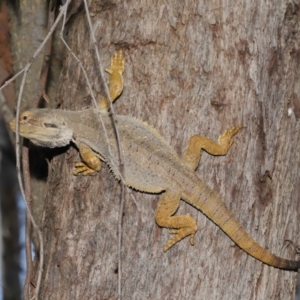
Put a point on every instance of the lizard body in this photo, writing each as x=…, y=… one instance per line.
x=150, y=164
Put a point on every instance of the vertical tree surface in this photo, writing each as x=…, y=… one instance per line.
x=191, y=67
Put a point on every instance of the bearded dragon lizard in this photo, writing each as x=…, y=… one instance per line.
x=150, y=164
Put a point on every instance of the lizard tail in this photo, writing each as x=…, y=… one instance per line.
x=214, y=208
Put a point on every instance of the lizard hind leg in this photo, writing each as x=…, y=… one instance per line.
x=192, y=154
x=181, y=226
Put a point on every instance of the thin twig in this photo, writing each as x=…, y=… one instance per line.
x=121, y=157
x=26, y=176
x=87, y=81
x=92, y=95
x=25, y=71
x=40, y=48
x=10, y=80
x=25, y=160
x=46, y=59
x=18, y=155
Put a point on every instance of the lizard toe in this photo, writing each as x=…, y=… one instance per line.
x=82, y=169
x=180, y=234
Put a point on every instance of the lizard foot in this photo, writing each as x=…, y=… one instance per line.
x=179, y=235
x=115, y=70
x=225, y=139
x=83, y=169
x=117, y=63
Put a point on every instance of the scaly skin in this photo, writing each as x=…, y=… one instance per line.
x=150, y=164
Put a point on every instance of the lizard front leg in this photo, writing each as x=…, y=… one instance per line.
x=181, y=226
x=90, y=163
x=115, y=71
x=192, y=153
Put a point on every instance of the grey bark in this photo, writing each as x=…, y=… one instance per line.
x=191, y=67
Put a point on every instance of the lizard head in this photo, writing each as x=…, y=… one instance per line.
x=44, y=127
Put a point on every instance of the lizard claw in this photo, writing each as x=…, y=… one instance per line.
x=192, y=239
x=83, y=169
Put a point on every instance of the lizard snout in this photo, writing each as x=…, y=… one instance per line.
x=12, y=125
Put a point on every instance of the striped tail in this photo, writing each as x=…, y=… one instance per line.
x=207, y=201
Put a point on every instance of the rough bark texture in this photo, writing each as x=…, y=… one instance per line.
x=191, y=67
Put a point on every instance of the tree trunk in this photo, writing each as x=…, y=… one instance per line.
x=191, y=67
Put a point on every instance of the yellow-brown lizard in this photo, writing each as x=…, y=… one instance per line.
x=150, y=164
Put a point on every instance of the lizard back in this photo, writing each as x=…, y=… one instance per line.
x=147, y=156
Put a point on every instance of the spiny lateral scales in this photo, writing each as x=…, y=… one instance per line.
x=150, y=164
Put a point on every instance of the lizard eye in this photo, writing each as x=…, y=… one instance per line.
x=50, y=125
x=23, y=117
